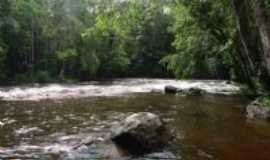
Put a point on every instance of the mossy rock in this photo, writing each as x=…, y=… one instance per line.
x=260, y=108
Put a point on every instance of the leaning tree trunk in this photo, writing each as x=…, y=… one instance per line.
x=262, y=20
x=253, y=42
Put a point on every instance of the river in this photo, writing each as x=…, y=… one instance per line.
x=49, y=121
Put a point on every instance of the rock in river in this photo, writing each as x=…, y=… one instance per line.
x=256, y=110
x=190, y=91
x=171, y=90
x=140, y=133
x=194, y=91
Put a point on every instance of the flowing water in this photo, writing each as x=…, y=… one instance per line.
x=49, y=122
x=107, y=88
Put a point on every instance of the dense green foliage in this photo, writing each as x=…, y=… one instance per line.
x=203, y=39
x=129, y=39
x=82, y=39
x=264, y=100
x=43, y=40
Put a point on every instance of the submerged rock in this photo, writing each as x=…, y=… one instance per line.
x=161, y=155
x=156, y=91
x=191, y=91
x=140, y=133
x=256, y=110
x=171, y=90
x=194, y=91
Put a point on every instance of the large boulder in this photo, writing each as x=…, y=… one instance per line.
x=140, y=133
x=257, y=110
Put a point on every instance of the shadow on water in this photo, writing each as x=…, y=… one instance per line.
x=206, y=127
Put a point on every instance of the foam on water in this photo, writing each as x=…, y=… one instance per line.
x=114, y=88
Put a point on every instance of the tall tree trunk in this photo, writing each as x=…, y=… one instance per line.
x=62, y=72
x=262, y=21
x=253, y=42
x=33, y=44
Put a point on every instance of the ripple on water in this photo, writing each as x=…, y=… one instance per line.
x=205, y=127
x=26, y=130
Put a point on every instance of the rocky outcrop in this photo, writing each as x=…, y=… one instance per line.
x=256, y=110
x=140, y=133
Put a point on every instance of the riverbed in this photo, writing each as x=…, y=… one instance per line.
x=50, y=121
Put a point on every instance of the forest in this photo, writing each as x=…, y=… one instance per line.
x=50, y=40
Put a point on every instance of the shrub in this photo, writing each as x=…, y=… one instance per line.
x=41, y=77
x=264, y=100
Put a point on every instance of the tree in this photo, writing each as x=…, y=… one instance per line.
x=203, y=39
x=5, y=22
x=129, y=38
x=87, y=39
x=253, y=42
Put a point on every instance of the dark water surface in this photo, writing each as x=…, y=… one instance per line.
x=207, y=127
